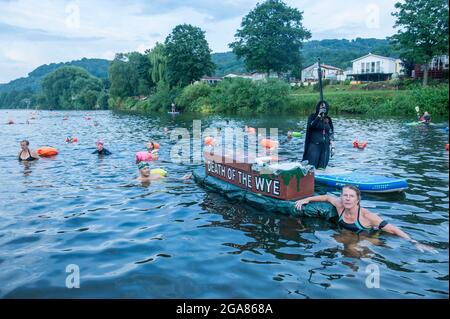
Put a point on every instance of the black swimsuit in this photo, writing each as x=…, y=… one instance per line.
x=28, y=159
x=357, y=227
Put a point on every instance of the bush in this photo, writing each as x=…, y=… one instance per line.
x=382, y=102
x=325, y=82
x=161, y=100
x=190, y=96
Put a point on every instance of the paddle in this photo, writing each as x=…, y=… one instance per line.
x=319, y=70
x=320, y=79
x=418, y=112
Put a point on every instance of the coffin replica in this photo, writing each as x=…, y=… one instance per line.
x=269, y=187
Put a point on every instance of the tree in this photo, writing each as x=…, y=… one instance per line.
x=188, y=55
x=129, y=75
x=158, y=61
x=271, y=37
x=424, y=31
x=70, y=87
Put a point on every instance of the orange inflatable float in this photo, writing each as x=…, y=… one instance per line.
x=361, y=145
x=209, y=141
x=268, y=143
x=155, y=145
x=250, y=130
x=46, y=151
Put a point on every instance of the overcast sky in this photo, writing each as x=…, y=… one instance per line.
x=36, y=32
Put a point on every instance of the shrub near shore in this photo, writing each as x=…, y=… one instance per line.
x=243, y=96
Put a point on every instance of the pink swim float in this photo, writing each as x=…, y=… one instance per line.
x=143, y=157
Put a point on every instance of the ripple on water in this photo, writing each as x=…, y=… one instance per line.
x=172, y=239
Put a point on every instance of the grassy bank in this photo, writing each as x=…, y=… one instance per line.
x=377, y=102
x=240, y=96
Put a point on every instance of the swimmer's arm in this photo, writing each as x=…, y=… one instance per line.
x=35, y=154
x=392, y=229
x=322, y=198
x=376, y=220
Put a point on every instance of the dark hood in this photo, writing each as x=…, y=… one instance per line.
x=326, y=106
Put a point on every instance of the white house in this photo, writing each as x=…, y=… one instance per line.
x=211, y=79
x=373, y=67
x=310, y=73
x=252, y=76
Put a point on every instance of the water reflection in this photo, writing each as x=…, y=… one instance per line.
x=78, y=208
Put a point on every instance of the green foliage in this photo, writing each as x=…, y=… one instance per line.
x=271, y=37
x=70, y=88
x=188, y=55
x=340, y=53
x=102, y=100
x=227, y=63
x=25, y=92
x=423, y=30
x=384, y=102
x=191, y=95
x=129, y=75
x=158, y=61
x=316, y=86
x=236, y=96
x=162, y=99
x=334, y=52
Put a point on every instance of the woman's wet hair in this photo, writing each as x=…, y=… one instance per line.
x=25, y=141
x=354, y=188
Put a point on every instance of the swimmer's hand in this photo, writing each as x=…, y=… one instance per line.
x=187, y=177
x=425, y=248
x=300, y=203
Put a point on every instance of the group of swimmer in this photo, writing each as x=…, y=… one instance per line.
x=145, y=173
x=319, y=146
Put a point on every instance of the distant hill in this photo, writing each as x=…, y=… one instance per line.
x=340, y=53
x=97, y=67
x=227, y=63
x=334, y=52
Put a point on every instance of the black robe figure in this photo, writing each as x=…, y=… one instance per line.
x=319, y=134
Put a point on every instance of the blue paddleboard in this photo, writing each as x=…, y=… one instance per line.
x=365, y=182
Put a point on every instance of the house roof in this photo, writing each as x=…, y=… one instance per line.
x=212, y=78
x=323, y=66
x=375, y=55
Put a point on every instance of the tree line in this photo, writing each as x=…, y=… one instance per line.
x=270, y=39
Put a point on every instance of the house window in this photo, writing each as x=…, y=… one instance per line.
x=367, y=67
x=362, y=67
x=378, y=67
x=373, y=67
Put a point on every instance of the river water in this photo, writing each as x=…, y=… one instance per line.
x=173, y=239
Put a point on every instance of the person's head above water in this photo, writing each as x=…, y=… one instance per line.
x=24, y=145
x=150, y=146
x=99, y=145
x=144, y=169
x=350, y=196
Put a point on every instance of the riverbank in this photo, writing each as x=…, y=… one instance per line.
x=241, y=96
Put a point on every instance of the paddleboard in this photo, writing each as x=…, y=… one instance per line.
x=173, y=112
x=365, y=182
